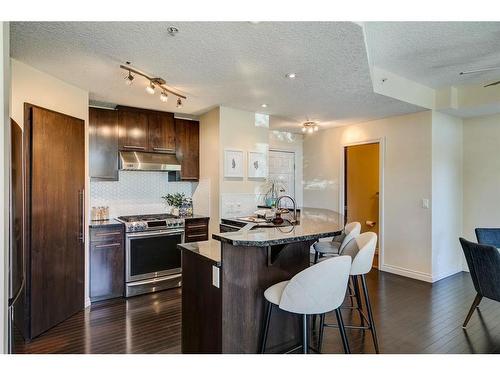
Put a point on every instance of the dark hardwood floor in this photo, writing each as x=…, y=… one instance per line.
x=411, y=317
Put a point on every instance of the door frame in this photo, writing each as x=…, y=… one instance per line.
x=294, y=168
x=381, y=143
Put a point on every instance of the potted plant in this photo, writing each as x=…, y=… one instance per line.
x=175, y=202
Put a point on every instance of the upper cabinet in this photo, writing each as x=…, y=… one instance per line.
x=103, y=130
x=161, y=132
x=133, y=129
x=187, y=141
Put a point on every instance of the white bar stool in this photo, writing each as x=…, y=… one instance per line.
x=362, y=251
x=316, y=290
x=337, y=245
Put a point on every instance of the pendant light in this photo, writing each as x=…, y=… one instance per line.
x=150, y=89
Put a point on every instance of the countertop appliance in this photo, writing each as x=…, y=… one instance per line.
x=152, y=260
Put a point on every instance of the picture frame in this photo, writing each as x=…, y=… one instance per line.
x=256, y=165
x=233, y=163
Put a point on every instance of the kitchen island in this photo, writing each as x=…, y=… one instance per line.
x=223, y=282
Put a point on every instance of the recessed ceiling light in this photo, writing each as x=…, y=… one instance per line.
x=264, y=105
x=172, y=30
x=291, y=75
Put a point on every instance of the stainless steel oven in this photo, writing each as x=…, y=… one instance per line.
x=152, y=260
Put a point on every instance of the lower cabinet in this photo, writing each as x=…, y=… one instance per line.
x=196, y=229
x=107, y=263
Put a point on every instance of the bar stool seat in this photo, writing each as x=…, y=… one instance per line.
x=316, y=290
x=273, y=293
x=337, y=245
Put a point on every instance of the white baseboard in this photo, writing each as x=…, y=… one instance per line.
x=446, y=274
x=407, y=273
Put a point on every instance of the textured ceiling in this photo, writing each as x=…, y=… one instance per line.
x=235, y=64
x=434, y=53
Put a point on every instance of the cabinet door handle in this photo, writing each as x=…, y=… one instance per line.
x=189, y=226
x=197, y=235
x=116, y=244
x=108, y=234
x=81, y=196
x=135, y=147
x=162, y=149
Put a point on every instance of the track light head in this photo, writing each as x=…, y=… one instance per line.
x=164, y=96
x=129, y=78
x=179, y=103
x=150, y=89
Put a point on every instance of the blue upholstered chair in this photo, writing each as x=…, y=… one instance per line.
x=484, y=266
x=488, y=236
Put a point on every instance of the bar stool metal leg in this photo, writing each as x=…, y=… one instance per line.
x=316, y=257
x=370, y=315
x=305, y=335
x=269, y=308
x=343, y=335
x=321, y=332
x=357, y=294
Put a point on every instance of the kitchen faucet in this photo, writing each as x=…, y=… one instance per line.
x=294, y=206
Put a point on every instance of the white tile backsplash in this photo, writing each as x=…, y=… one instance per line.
x=136, y=192
x=239, y=204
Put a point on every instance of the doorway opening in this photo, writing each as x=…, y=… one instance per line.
x=362, y=188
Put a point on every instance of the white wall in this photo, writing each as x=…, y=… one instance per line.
x=237, y=130
x=4, y=183
x=29, y=85
x=447, y=195
x=206, y=195
x=481, y=171
x=407, y=179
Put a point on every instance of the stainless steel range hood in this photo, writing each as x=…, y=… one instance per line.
x=146, y=161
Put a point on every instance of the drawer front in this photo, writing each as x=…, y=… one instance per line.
x=106, y=234
x=196, y=237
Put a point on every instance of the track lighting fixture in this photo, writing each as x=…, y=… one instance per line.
x=129, y=78
x=309, y=127
x=153, y=83
x=150, y=89
x=164, y=96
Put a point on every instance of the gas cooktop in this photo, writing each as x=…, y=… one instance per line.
x=141, y=223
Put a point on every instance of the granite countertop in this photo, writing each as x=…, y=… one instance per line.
x=314, y=223
x=209, y=249
x=104, y=223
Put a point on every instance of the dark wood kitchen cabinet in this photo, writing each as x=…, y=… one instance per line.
x=107, y=264
x=133, y=129
x=187, y=141
x=103, y=130
x=196, y=229
x=161, y=132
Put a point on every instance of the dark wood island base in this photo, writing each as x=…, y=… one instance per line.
x=228, y=318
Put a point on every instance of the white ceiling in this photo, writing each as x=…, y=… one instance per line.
x=235, y=64
x=434, y=53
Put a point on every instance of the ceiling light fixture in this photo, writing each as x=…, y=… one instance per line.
x=164, y=96
x=309, y=127
x=291, y=75
x=150, y=89
x=264, y=105
x=153, y=83
x=129, y=78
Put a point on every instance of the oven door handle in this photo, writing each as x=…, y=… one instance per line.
x=154, y=234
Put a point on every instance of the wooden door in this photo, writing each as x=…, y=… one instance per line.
x=133, y=130
x=56, y=211
x=187, y=135
x=362, y=185
x=103, y=129
x=161, y=132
